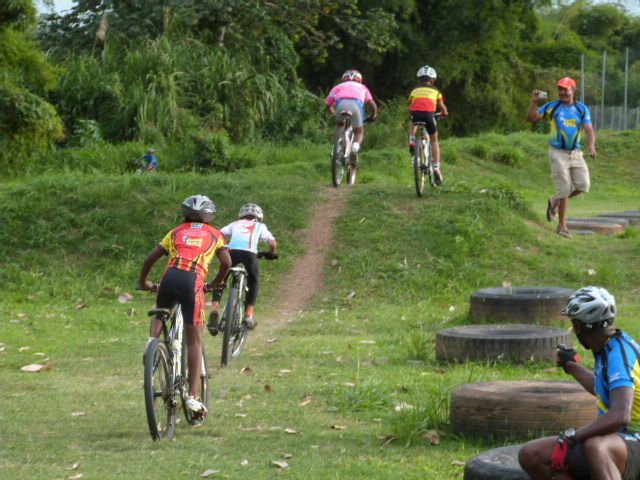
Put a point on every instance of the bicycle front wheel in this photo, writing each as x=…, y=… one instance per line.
x=418, y=169
x=337, y=161
x=159, y=391
x=235, y=332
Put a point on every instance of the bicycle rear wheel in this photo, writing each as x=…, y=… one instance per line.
x=352, y=170
x=159, y=391
x=337, y=161
x=205, y=385
x=418, y=169
x=429, y=163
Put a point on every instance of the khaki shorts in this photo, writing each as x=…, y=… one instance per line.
x=569, y=171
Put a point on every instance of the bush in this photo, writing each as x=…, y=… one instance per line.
x=213, y=151
x=511, y=156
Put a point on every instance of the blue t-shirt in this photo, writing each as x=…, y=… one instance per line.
x=566, y=122
x=618, y=366
x=150, y=160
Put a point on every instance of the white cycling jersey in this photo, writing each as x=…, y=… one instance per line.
x=245, y=234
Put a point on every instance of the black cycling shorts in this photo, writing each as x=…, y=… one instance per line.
x=181, y=286
x=631, y=472
x=427, y=118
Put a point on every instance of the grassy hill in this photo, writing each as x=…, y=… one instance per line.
x=401, y=268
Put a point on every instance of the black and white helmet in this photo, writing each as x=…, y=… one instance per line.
x=591, y=305
x=426, y=71
x=199, y=208
x=251, y=209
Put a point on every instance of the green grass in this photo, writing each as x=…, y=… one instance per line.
x=355, y=376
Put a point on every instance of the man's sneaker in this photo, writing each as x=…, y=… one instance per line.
x=412, y=147
x=438, y=175
x=355, y=147
x=193, y=404
x=249, y=322
x=213, y=326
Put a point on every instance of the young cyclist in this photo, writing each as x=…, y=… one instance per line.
x=245, y=234
x=150, y=161
x=190, y=247
x=351, y=95
x=424, y=100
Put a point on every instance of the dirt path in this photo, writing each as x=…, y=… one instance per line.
x=305, y=279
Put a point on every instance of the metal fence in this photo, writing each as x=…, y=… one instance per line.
x=615, y=118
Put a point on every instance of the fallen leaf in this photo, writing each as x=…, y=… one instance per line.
x=287, y=455
x=458, y=462
x=280, y=464
x=244, y=462
x=130, y=312
x=432, y=436
x=334, y=262
x=403, y=406
x=125, y=298
x=338, y=427
x=284, y=371
x=23, y=349
x=272, y=340
x=1, y=347
x=75, y=466
x=290, y=431
x=351, y=295
x=452, y=308
x=75, y=477
x=208, y=473
x=506, y=284
x=339, y=359
x=591, y=272
x=241, y=415
x=246, y=370
x=80, y=305
x=306, y=401
x=48, y=366
x=78, y=414
x=268, y=389
x=39, y=354
x=32, y=368
x=349, y=384
x=21, y=315
x=387, y=439
x=367, y=342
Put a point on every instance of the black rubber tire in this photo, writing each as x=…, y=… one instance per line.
x=229, y=314
x=603, y=228
x=352, y=171
x=632, y=216
x=519, y=304
x=497, y=464
x=205, y=385
x=418, y=171
x=517, y=343
x=159, y=392
x=429, y=163
x=516, y=408
x=337, y=167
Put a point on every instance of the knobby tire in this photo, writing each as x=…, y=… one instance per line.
x=418, y=168
x=235, y=333
x=159, y=392
x=205, y=384
x=337, y=159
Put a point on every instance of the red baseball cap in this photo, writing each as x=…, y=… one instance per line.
x=566, y=82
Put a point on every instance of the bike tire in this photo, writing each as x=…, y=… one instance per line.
x=240, y=332
x=159, y=392
x=229, y=318
x=337, y=159
x=418, y=170
x=205, y=385
x=429, y=164
x=352, y=171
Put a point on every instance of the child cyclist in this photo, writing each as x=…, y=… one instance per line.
x=190, y=247
x=245, y=233
x=424, y=100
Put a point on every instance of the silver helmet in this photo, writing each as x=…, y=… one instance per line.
x=591, y=305
x=426, y=71
x=251, y=209
x=198, y=208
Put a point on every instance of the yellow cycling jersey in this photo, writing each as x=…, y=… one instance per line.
x=425, y=99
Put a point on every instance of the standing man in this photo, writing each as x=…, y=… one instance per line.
x=609, y=446
x=568, y=169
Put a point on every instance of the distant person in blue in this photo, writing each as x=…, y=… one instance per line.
x=609, y=446
x=569, y=170
x=150, y=161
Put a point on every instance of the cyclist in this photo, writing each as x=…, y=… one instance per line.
x=245, y=234
x=150, y=161
x=190, y=246
x=608, y=447
x=425, y=98
x=351, y=95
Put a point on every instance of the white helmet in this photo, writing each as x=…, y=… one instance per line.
x=198, y=208
x=251, y=209
x=353, y=75
x=427, y=71
x=591, y=305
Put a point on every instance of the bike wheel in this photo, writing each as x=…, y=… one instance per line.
x=159, y=392
x=235, y=332
x=205, y=385
x=429, y=163
x=418, y=169
x=337, y=161
x=352, y=170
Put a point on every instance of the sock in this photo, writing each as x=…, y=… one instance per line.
x=355, y=148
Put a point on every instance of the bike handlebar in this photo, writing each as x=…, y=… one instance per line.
x=268, y=255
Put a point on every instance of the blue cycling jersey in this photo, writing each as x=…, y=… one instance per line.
x=566, y=122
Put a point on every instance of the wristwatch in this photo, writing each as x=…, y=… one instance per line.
x=570, y=435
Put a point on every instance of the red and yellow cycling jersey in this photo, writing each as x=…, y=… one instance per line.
x=425, y=99
x=191, y=246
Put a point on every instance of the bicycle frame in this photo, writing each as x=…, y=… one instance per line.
x=341, y=155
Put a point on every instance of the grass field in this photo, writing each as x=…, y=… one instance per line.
x=322, y=394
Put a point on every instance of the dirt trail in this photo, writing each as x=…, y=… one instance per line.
x=305, y=279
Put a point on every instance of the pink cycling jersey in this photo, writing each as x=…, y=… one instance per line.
x=350, y=89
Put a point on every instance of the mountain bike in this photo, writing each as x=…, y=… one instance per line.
x=422, y=159
x=166, y=376
x=234, y=332
x=341, y=157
